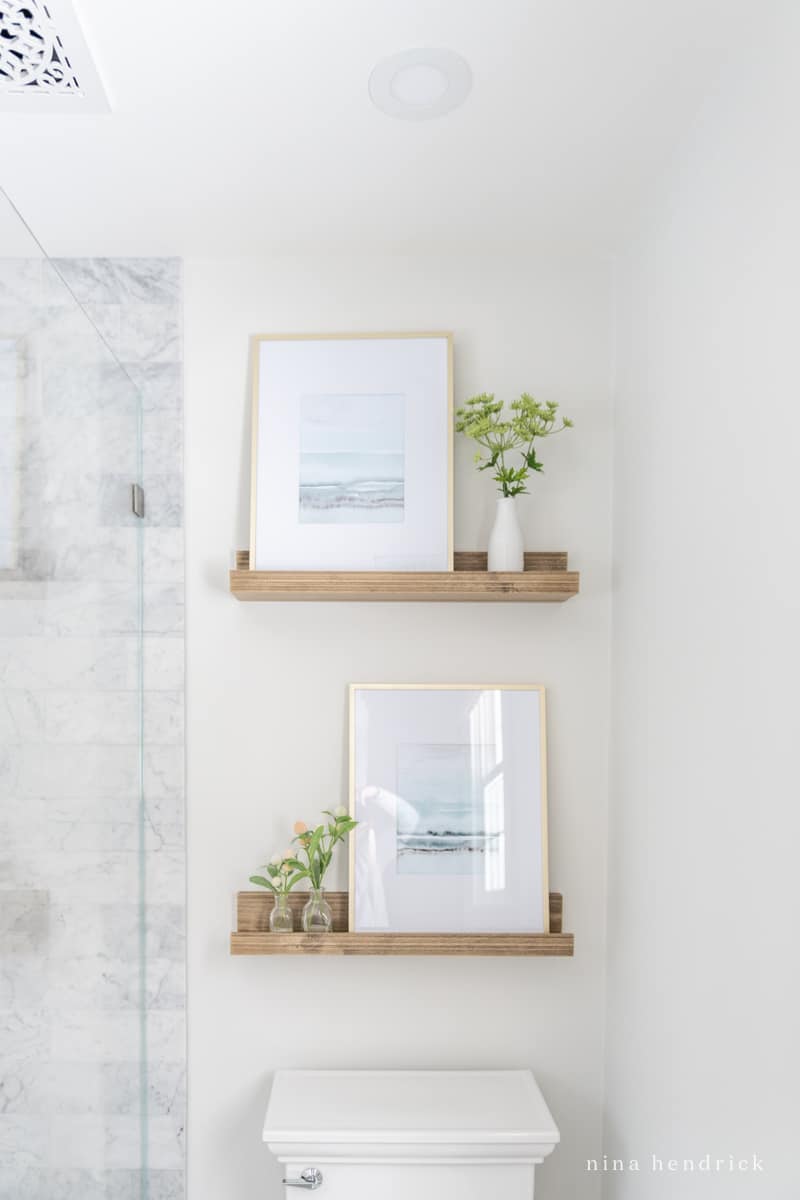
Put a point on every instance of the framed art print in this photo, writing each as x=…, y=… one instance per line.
x=352, y=452
x=448, y=785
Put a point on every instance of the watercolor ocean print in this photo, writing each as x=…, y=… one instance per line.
x=440, y=810
x=352, y=459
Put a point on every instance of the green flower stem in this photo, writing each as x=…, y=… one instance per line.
x=318, y=845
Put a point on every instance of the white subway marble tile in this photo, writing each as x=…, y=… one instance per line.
x=166, y=1141
x=47, y=1088
x=163, y=499
x=24, y=921
x=160, y=385
x=69, y=662
x=74, y=825
x=23, y=983
x=104, y=442
x=68, y=337
x=96, y=981
x=100, y=876
x=115, y=929
x=149, y=333
x=163, y=833
x=11, y=453
x=163, y=606
x=10, y=767
x=24, y=1036
x=166, y=1185
x=163, y=664
x=103, y=718
x=93, y=554
x=92, y=608
x=82, y=281
x=83, y=770
x=43, y=829
x=19, y=322
x=28, y=819
x=28, y=1182
x=166, y=983
x=22, y=717
x=121, y=280
x=164, y=718
x=98, y=1037
x=24, y=1144
x=166, y=876
x=165, y=932
x=21, y=279
x=162, y=442
x=163, y=772
x=22, y=608
x=81, y=391
x=85, y=1142
x=163, y=555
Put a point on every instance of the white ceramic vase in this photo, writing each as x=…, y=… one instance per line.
x=506, y=548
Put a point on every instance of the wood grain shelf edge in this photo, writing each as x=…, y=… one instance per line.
x=252, y=936
x=545, y=578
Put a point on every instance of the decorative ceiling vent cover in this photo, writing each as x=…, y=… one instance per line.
x=32, y=54
x=45, y=63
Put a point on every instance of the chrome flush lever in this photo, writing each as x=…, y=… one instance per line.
x=311, y=1178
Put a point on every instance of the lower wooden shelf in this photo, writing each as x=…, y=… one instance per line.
x=253, y=936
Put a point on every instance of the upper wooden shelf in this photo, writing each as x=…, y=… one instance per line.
x=253, y=935
x=545, y=578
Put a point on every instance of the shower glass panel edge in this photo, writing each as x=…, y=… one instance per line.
x=73, y=982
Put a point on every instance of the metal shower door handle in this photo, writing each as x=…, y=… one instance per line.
x=311, y=1178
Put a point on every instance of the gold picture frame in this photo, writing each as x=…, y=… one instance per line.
x=539, y=789
x=258, y=340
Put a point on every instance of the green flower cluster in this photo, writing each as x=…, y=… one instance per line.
x=482, y=419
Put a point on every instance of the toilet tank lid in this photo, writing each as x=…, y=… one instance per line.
x=502, y=1107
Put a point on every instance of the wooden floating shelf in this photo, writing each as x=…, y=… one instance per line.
x=545, y=578
x=253, y=936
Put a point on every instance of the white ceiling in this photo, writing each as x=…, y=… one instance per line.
x=243, y=127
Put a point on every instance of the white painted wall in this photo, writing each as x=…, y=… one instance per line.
x=703, y=1050
x=266, y=706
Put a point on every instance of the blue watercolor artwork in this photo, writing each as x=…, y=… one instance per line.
x=352, y=459
x=441, y=810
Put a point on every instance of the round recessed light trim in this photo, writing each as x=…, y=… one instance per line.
x=418, y=85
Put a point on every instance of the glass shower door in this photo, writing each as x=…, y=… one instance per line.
x=73, y=981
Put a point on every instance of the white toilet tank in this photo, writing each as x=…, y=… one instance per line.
x=408, y=1135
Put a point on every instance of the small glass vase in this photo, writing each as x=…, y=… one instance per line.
x=281, y=919
x=317, y=916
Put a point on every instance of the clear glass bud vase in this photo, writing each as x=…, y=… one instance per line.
x=281, y=919
x=317, y=915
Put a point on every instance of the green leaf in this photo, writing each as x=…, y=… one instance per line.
x=313, y=846
x=262, y=882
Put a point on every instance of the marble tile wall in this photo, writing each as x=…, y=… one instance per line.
x=92, y=1091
